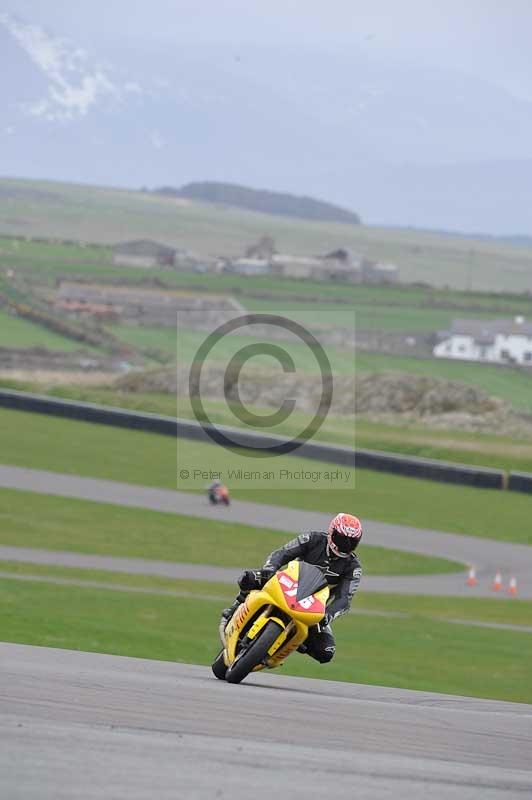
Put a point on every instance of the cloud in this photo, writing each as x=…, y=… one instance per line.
x=157, y=140
x=133, y=88
x=74, y=84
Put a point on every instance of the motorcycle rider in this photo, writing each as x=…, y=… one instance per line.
x=333, y=550
x=215, y=490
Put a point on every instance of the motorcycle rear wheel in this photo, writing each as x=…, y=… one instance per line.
x=255, y=655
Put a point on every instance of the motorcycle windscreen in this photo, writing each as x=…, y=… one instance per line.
x=311, y=579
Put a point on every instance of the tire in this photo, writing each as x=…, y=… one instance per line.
x=255, y=655
x=218, y=667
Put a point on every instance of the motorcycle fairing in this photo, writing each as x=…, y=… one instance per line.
x=278, y=600
x=311, y=579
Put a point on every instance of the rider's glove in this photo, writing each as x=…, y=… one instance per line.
x=267, y=573
x=250, y=579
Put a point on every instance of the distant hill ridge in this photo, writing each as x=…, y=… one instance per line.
x=262, y=200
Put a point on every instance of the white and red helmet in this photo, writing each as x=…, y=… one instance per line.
x=344, y=534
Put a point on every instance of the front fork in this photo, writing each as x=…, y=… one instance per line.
x=221, y=630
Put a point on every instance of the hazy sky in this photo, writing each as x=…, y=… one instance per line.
x=414, y=112
x=486, y=38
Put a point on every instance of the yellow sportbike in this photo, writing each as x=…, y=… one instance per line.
x=272, y=622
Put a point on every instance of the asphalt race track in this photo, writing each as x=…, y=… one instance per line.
x=487, y=555
x=84, y=725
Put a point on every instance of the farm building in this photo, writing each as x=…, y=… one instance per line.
x=344, y=265
x=289, y=266
x=340, y=266
x=497, y=341
x=377, y=272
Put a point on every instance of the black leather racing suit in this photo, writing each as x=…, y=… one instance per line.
x=343, y=576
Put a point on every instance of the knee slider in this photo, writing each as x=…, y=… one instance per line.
x=326, y=655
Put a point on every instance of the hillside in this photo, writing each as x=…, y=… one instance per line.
x=263, y=201
x=107, y=215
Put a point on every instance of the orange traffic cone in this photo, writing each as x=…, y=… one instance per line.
x=512, y=586
x=472, y=577
x=497, y=582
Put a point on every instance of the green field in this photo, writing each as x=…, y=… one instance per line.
x=406, y=308
x=28, y=251
x=184, y=344
x=398, y=307
x=47, y=209
x=403, y=652
x=386, y=308
x=363, y=314
x=149, y=459
x=19, y=333
x=511, y=384
x=28, y=519
x=414, y=298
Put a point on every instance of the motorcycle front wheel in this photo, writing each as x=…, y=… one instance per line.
x=218, y=666
x=255, y=654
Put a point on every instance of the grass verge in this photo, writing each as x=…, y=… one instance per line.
x=479, y=449
x=80, y=448
x=412, y=653
x=57, y=523
x=492, y=610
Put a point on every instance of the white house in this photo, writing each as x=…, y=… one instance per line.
x=497, y=341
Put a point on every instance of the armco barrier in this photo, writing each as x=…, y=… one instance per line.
x=431, y=469
x=88, y=412
x=410, y=466
x=520, y=482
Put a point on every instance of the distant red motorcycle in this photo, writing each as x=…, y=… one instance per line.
x=218, y=493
